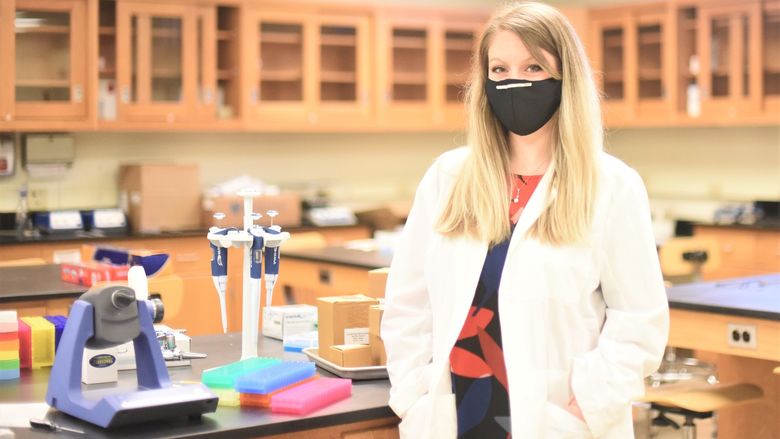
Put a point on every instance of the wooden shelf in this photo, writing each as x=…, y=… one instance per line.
x=459, y=45
x=107, y=30
x=409, y=43
x=335, y=77
x=159, y=73
x=721, y=71
x=651, y=38
x=224, y=74
x=281, y=38
x=688, y=24
x=289, y=75
x=174, y=34
x=45, y=29
x=225, y=35
x=650, y=74
x=409, y=78
x=458, y=79
x=772, y=70
x=613, y=76
x=55, y=83
x=108, y=71
x=338, y=40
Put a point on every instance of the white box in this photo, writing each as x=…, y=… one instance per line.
x=283, y=321
x=99, y=366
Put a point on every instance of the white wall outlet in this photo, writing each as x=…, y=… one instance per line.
x=742, y=336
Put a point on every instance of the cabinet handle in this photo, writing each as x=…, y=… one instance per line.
x=313, y=118
x=78, y=93
x=8, y=117
x=208, y=95
x=728, y=248
x=254, y=95
x=170, y=117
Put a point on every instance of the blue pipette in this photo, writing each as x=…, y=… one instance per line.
x=219, y=261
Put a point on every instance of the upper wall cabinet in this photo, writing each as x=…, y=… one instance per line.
x=46, y=62
x=423, y=64
x=705, y=62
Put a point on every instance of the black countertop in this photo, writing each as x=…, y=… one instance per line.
x=368, y=401
x=9, y=237
x=342, y=256
x=772, y=224
x=755, y=296
x=36, y=282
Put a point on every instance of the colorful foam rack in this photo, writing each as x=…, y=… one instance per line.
x=37, y=335
x=9, y=346
x=311, y=396
x=221, y=380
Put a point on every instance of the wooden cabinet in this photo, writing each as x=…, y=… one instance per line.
x=743, y=252
x=422, y=67
x=47, y=68
x=702, y=62
x=631, y=49
x=157, y=70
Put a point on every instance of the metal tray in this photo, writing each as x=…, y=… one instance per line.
x=354, y=373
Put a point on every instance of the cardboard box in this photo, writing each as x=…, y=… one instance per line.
x=377, y=279
x=378, y=356
x=283, y=321
x=342, y=320
x=158, y=197
x=288, y=204
x=350, y=355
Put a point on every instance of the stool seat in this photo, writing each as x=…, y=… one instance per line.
x=707, y=398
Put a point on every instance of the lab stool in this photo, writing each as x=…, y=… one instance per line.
x=699, y=403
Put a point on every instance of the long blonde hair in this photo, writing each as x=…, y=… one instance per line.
x=479, y=203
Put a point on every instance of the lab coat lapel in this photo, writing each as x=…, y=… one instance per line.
x=540, y=199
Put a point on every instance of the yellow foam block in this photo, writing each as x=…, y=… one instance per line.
x=42, y=341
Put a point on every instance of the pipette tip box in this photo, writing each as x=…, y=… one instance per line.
x=224, y=377
x=264, y=401
x=274, y=377
x=299, y=342
x=311, y=396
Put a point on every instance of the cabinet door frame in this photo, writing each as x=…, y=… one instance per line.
x=333, y=113
x=8, y=52
x=734, y=106
x=77, y=107
x=144, y=109
x=205, y=109
x=454, y=114
x=404, y=114
x=615, y=112
x=661, y=109
x=276, y=115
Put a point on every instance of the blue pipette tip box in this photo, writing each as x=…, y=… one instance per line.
x=275, y=377
x=224, y=377
x=299, y=342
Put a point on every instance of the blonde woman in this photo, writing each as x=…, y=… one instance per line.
x=525, y=298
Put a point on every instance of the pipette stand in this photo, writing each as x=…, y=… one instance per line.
x=243, y=239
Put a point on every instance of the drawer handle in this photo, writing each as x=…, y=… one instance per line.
x=324, y=276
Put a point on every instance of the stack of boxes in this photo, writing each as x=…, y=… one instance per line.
x=9, y=346
x=343, y=329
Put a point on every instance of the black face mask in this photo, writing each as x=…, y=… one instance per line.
x=524, y=106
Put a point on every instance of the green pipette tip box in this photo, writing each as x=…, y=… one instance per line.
x=224, y=377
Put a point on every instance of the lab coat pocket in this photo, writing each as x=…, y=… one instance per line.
x=564, y=425
x=430, y=417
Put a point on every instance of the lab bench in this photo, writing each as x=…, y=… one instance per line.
x=364, y=414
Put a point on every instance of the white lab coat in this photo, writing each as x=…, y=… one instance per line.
x=589, y=319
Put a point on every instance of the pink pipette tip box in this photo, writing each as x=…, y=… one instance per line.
x=311, y=396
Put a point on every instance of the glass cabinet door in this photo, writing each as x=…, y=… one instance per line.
x=279, y=91
x=459, y=46
x=6, y=51
x=409, y=65
x=50, y=83
x=343, y=71
x=155, y=42
x=730, y=73
x=771, y=61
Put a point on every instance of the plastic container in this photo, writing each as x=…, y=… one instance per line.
x=10, y=345
x=8, y=322
x=224, y=377
x=227, y=397
x=59, y=326
x=25, y=345
x=299, y=342
x=264, y=401
x=275, y=377
x=9, y=364
x=311, y=396
x=42, y=352
x=11, y=374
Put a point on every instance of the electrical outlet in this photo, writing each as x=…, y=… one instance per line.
x=742, y=336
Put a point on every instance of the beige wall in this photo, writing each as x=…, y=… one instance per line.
x=706, y=164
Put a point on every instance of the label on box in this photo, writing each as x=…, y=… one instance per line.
x=356, y=336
